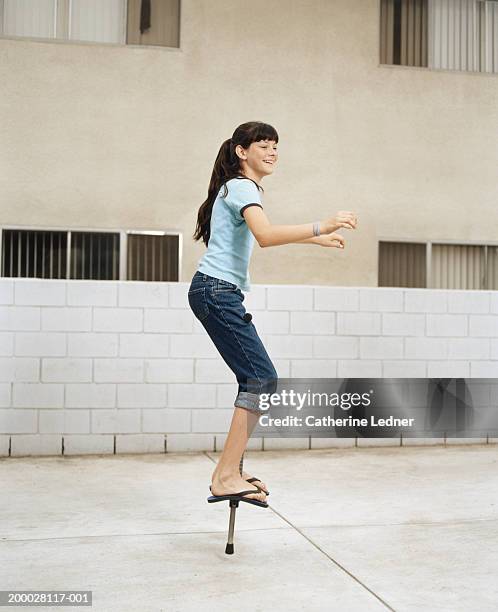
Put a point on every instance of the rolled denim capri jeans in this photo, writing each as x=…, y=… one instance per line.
x=217, y=304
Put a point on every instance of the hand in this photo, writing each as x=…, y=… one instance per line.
x=330, y=240
x=344, y=218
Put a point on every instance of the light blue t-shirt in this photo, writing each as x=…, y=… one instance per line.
x=231, y=241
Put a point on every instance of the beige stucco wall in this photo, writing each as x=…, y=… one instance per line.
x=109, y=136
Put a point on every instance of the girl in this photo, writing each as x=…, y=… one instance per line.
x=228, y=222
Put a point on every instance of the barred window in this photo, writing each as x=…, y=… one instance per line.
x=404, y=32
x=133, y=22
x=56, y=254
x=153, y=257
x=402, y=264
x=438, y=265
x=440, y=34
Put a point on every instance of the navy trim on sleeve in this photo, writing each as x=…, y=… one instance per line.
x=247, y=206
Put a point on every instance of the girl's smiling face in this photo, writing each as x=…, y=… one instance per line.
x=259, y=159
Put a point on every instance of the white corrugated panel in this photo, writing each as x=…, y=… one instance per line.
x=34, y=18
x=453, y=34
x=98, y=20
x=492, y=280
x=463, y=35
x=458, y=266
x=402, y=264
x=491, y=37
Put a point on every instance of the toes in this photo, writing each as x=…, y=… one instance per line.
x=260, y=496
x=262, y=486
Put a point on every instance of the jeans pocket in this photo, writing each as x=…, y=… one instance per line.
x=198, y=303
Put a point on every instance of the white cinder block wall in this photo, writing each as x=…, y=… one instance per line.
x=124, y=367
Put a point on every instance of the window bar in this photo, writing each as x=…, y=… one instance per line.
x=62, y=266
x=76, y=262
x=21, y=248
x=104, y=272
x=168, y=258
x=146, y=244
x=123, y=261
x=11, y=255
x=484, y=283
x=51, y=255
x=144, y=259
x=397, y=33
x=35, y=263
x=113, y=257
x=137, y=248
x=428, y=265
x=154, y=241
x=83, y=257
x=90, y=271
x=149, y=246
x=117, y=249
x=140, y=250
x=131, y=264
x=68, y=254
x=25, y=240
x=31, y=255
x=447, y=34
x=152, y=249
x=25, y=243
x=44, y=239
x=99, y=270
x=391, y=260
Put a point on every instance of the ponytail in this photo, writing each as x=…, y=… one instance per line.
x=226, y=167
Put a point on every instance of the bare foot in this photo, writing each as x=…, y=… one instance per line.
x=235, y=484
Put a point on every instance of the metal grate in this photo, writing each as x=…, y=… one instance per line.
x=402, y=264
x=455, y=34
x=94, y=255
x=34, y=253
x=492, y=268
x=458, y=266
x=153, y=257
x=438, y=266
x=403, y=26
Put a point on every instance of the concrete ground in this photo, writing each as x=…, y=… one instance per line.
x=367, y=529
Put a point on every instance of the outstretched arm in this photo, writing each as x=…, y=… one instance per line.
x=274, y=235
x=306, y=241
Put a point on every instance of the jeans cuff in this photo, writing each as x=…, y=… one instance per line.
x=249, y=401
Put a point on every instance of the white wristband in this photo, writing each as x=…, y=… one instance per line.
x=316, y=228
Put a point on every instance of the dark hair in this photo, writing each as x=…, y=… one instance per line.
x=226, y=167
